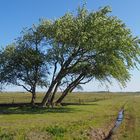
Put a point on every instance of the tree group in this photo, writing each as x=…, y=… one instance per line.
x=68, y=52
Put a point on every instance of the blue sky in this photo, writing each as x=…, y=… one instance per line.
x=17, y=14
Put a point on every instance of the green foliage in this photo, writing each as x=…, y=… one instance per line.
x=71, y=50
x=96, y=43
x=23, y=63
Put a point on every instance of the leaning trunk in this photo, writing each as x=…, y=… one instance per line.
x=53, y=94
x=45, y=99
x=64, y=94
x=70, y=88
x=62, y=73
x=60, y=99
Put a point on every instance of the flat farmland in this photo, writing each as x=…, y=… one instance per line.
x=81, y=115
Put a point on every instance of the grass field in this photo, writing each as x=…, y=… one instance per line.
x=75, y=121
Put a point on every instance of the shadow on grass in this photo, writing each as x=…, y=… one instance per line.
x=33, y=110
x=72, y=103
x=26, y=108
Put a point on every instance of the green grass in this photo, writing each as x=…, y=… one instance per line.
x=72, y=122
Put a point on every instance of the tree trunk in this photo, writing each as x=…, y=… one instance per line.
x=64, y=70
x=53, y=94
x=33, y=96
x=60, y=99
x=64, y=94
x=70, y=88
x=45, y=99
x=33, y=99
x=61, y=74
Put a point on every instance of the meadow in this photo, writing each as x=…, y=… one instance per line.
x=81, y=115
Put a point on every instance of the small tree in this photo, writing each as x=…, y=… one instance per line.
x=24, y=63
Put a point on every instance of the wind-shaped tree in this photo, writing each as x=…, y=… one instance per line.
x=88, y=45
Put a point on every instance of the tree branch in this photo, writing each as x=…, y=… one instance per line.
x=55, y=67
x=86, y=81
x=29, y=90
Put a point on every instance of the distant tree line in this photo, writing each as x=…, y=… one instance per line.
x=68, y=52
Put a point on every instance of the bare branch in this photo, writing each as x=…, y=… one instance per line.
x=29, y=90
x=86, y=81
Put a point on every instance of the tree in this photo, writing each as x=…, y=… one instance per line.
x=24, y=63
x=96, y=40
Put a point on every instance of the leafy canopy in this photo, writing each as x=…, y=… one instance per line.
x=93, y=43
x=24, y=62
